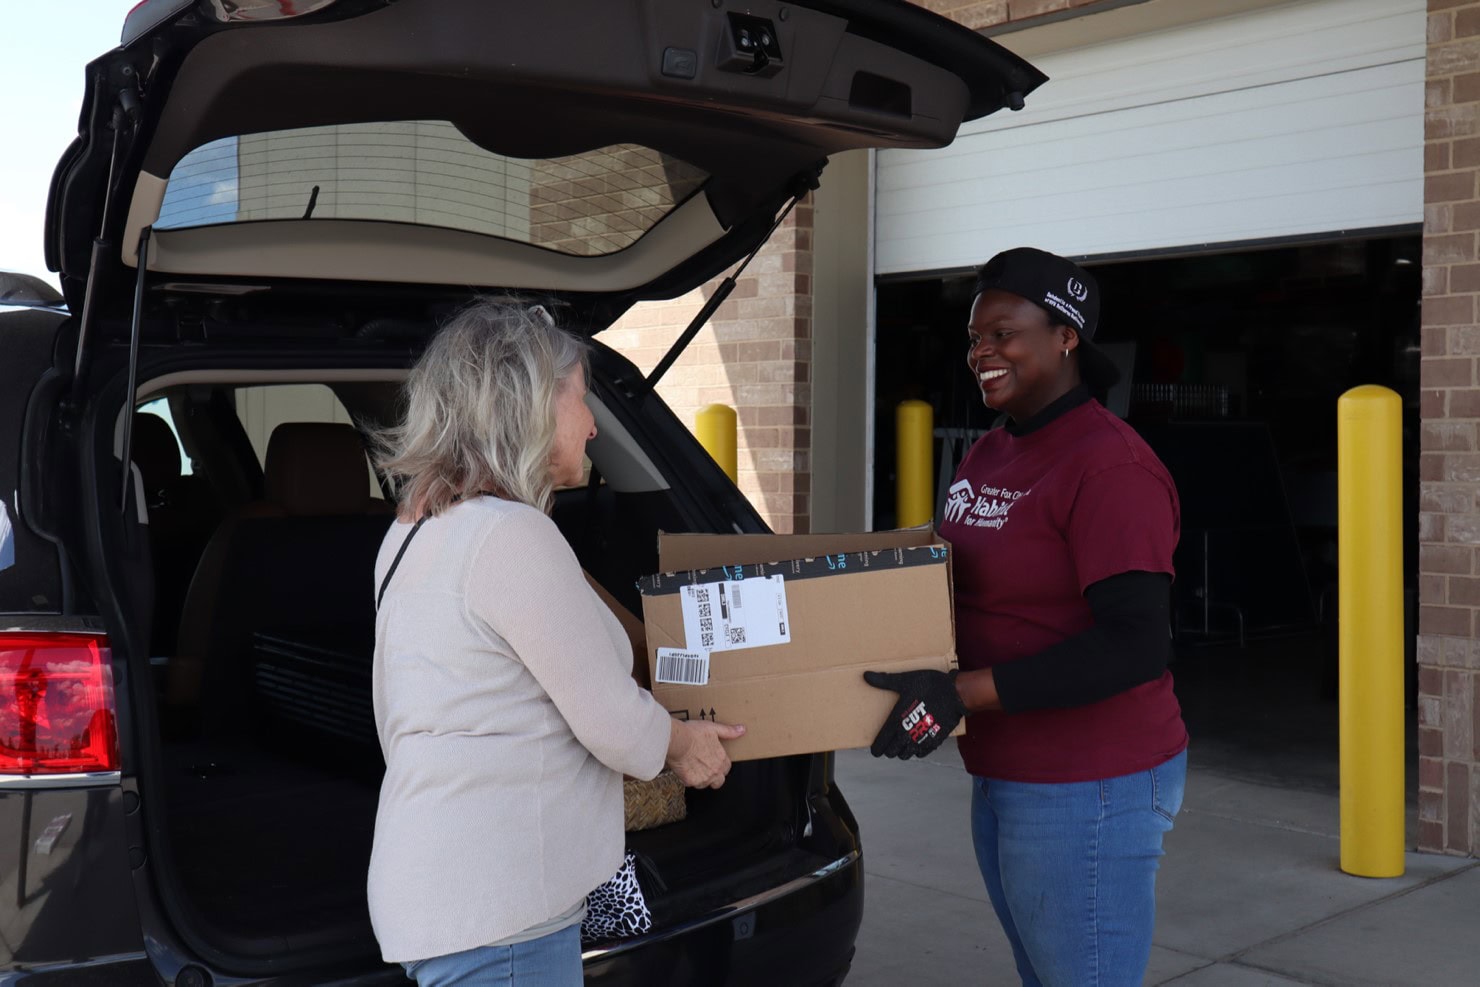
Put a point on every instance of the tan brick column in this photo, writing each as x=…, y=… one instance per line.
x=981, y=14
x=1449, y=518
x=756, y=356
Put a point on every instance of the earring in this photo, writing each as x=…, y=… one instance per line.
x=1066, y=353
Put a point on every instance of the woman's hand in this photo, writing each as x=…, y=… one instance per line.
x=695, y=753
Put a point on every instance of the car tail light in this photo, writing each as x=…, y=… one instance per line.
x=57, y=714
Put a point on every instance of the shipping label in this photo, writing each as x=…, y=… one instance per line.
x=734, y=614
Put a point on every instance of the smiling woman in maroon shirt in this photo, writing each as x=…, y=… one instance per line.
x=1063, y=524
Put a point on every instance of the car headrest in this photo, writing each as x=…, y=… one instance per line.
x=155, y=451
x=316, y=468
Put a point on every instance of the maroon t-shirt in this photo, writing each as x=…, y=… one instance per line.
x=1034, y=519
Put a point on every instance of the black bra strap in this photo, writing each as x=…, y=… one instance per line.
x=419, y=522
x=397, y=560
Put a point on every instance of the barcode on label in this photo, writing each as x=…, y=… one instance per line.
x=682, y=667
x=731, y=614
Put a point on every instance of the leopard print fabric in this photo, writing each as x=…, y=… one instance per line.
x=617, y=909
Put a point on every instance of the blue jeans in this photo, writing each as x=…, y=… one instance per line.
x=550, y=961
x=1071, y=871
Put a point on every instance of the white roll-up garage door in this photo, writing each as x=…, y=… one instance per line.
x=1299, y=119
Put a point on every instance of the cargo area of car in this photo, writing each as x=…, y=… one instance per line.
x=262, y=791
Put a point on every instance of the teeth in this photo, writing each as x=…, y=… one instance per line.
x=992, y=374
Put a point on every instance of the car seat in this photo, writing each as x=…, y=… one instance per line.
x=303, y=557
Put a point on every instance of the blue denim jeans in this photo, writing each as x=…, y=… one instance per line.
x=550, y=961
x=1071, y=871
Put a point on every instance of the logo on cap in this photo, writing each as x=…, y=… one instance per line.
x=1077, y=290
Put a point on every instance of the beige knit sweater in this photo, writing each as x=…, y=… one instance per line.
x=507, y=715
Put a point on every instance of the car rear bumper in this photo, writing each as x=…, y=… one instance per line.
x=799, y=933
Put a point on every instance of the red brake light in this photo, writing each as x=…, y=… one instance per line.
x=56, y=704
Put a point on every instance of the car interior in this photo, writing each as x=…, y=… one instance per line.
x=265, y=519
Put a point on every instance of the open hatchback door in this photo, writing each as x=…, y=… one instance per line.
x=602, y=152
x=269, y=209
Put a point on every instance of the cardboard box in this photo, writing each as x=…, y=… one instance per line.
x=780, y=629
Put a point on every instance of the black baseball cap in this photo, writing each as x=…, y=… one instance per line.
x=1067, y=292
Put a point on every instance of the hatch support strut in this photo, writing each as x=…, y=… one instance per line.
x=126, y=113
x=136, y=329
x=805, y=183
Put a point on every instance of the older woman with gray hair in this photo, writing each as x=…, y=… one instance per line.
x=503, y=696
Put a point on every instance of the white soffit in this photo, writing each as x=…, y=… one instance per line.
x=1299, y=119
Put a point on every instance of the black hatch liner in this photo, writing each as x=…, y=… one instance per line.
x=729, y=109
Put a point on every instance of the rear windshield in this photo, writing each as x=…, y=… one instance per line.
x=428, y=173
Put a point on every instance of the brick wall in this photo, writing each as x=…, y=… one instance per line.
x=756, y=356
x=982, y=14
x=601, y=201
x=755, y=353
x=1449, y=498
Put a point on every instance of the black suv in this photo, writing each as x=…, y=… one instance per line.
x=188, y=769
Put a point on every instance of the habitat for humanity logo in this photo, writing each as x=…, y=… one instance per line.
x=984, y=508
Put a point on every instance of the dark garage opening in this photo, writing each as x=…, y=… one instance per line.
x=1239, y=358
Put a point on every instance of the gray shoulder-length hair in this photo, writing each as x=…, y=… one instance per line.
x=480, y=409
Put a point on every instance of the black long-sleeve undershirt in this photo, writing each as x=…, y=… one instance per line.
x=1128, y=645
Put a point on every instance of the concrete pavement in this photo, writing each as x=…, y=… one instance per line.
x=1250, y=891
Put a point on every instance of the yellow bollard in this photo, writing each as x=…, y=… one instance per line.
x=1369, y=471
x=914, y=427
x=715, y=427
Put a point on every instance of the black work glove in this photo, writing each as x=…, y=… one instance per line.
x=928, y=710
